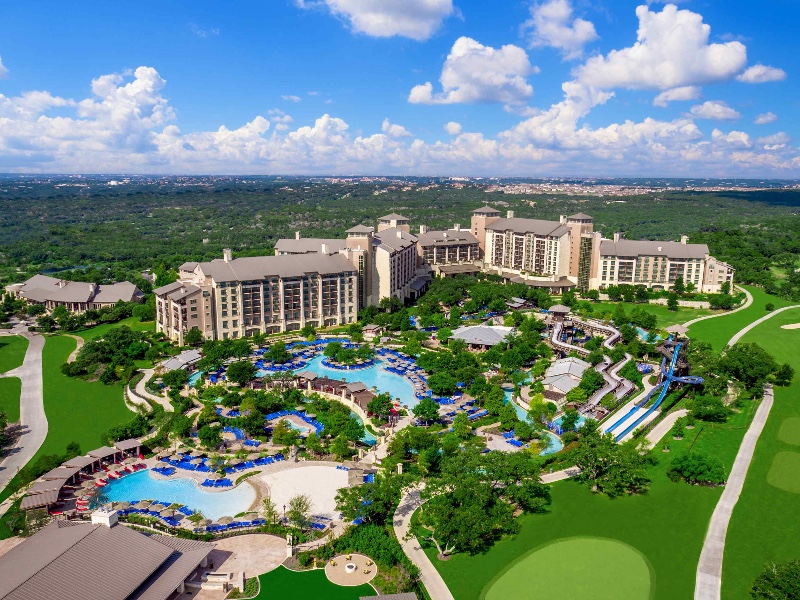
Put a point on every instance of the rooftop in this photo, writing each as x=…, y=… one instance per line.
x=451, y=237
x=650, y=248
x=261, y=267
x=392, y=217
x=482, y=335
x=485, y=210
x=309, y=245
x=394, y=239
x=534, y=226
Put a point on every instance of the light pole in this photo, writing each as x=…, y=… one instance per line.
x=284, y=513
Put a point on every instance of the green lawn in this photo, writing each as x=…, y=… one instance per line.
x=764, y=523
x=307, y=585
x=12, y=351
x=665, y=316
x=100, y=330
x=10, y=388
x=720, y=330
x=76, y=410
x=582, y=567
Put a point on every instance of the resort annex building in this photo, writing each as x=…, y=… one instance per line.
x=326, y=281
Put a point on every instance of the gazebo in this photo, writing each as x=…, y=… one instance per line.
x=559, y=311
x=678, y=329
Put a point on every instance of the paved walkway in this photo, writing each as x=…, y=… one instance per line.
x=430, y=577
x=708, y=583
x=748, y=301
x=142, y=392
x=742, y=332
x=657, y=433
x=74, y=354
x=32, y=417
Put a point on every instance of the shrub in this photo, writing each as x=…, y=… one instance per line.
x=697, y=467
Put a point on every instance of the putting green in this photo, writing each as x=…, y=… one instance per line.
x=578, y=568
x=789, y=433
x=783, y=472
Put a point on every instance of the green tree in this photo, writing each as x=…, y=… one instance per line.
x=313, y=444
x=299, y=511
x=672, y=302
x=380, y=406
x=778, y=581
x=241, y=372
x=193, y=337
x=611, y=468
x=577, y=395
x=461, y=427
x=268, y=509
x=678, y=286
x=341, y=447
x=725, y=288
x=175, y=379
x=697, y=467
x=277, y=352
x=427, y=410
x=210, y=437
x=508, y=417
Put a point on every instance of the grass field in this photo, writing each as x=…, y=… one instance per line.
x=100, y=330
x=763, y=525
x=10, y=388
x=720, y=330
x=307, y=585
x=582, y=567
x=12, y=351
x=665, y=316
x=76, y=410
x=789, y=433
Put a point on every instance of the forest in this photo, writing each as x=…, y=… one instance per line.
x=106, y=233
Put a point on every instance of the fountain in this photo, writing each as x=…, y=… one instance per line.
x=350, y=568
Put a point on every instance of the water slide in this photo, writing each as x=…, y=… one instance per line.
x=668, y=379
x=641, y=404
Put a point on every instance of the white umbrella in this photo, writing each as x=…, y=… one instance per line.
x=225, y=520
x=114, y=467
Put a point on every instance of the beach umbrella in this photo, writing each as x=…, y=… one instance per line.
x=158, y=506
x=204, y=522
x=130, y=461
x=114, y=467
x=175, y=457
x=249, y=516
x=167, y=512
x=87, y=484
x=195, y=454
x=99, y=475
x=225, y=520
x=253, y=456
x=122, y=505
x=237, y=461
x=213, y=476
x=142, y=504
x=196, y=461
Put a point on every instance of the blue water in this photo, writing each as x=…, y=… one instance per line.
x=581, y=421
x=644, y=335
x=194, y=377
x=553, y=441
x=374, y=376
x=367, y=438
x=213, y=505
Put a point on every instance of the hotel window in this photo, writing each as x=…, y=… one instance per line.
x=224, y=324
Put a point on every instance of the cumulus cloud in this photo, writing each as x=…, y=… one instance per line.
x=127, y=125
x=291, y=98
x=714, y=109
x=3, y=70
x=551, y=24
x=415, y=19
x=394, y=130
x=452, y=128
x=762, y=74
x=680, y=94
x=671, y=51
x=473, y=72
x=766, y=118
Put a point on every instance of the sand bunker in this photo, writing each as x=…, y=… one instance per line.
x=792, y=326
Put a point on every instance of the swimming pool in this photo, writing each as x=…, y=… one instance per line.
x=553, y=441
x=213, y=505
x=368, y=438
x=580, y=422
x=374, y=376
x=194, y=377
x=645, y=335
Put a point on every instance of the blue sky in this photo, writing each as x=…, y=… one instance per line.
x=439, y=87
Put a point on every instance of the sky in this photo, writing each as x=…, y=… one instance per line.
x=536, y=88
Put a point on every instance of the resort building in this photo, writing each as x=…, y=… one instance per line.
x=65, y=559
x=482, y=337
x=233, y=298
x=75, y=296
x=451, y=252
x=563, y=376
x=658, y=265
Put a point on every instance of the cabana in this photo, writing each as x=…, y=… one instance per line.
x=85, y=463
x=131, y=447
x=104, y=454
x=66, y=473
x=43, y=500
x=41, y=487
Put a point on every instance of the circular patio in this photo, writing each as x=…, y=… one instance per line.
x=350, y=569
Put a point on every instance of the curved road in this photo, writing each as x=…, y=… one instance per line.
x=747, y=302
x=708, y=582
x=31, y=410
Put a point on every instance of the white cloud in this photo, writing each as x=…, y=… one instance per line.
x=313, y=93
x=3, y=70
x=551, y=24
x=280, y=119
x=775, y=139
x=714, y=109
x=762, y=74
x=291, y=98
x=766, y=118
x=680, y=94
x=473, y=72
x=127, y=125
x=394, y=130
x=202, y=33
x=671, y=51
x=452, y=128
x=415, y=19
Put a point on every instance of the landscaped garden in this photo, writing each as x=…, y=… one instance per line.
x=760, y=528
x=307, y=585
x=12, y=351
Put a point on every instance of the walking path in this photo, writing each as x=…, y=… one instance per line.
x=659, y=431
x=430, y=577
x=748, y=301
x=74, y=354
x=708, y=583
x=142, y=392
x=742, y=332
x=33, y=420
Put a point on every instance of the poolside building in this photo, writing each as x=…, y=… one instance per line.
x=233, y=298
x=75, y=296
x=101, y=560
x=563, y=376
x=482, y=337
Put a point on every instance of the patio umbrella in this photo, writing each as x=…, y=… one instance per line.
x=114, y=467
x=175, y=457
x=167, y=512
x=158, y=506
x=236, y=461
x=204, y=522
x=225, y=520
x=99, y=475
x=196, y=461
x=249, y=516
x=142, y=504
x=253, y=456
x=213, y=476
x=122, y=505
x=130, y=461
x=87, y=484
x=196, y=454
